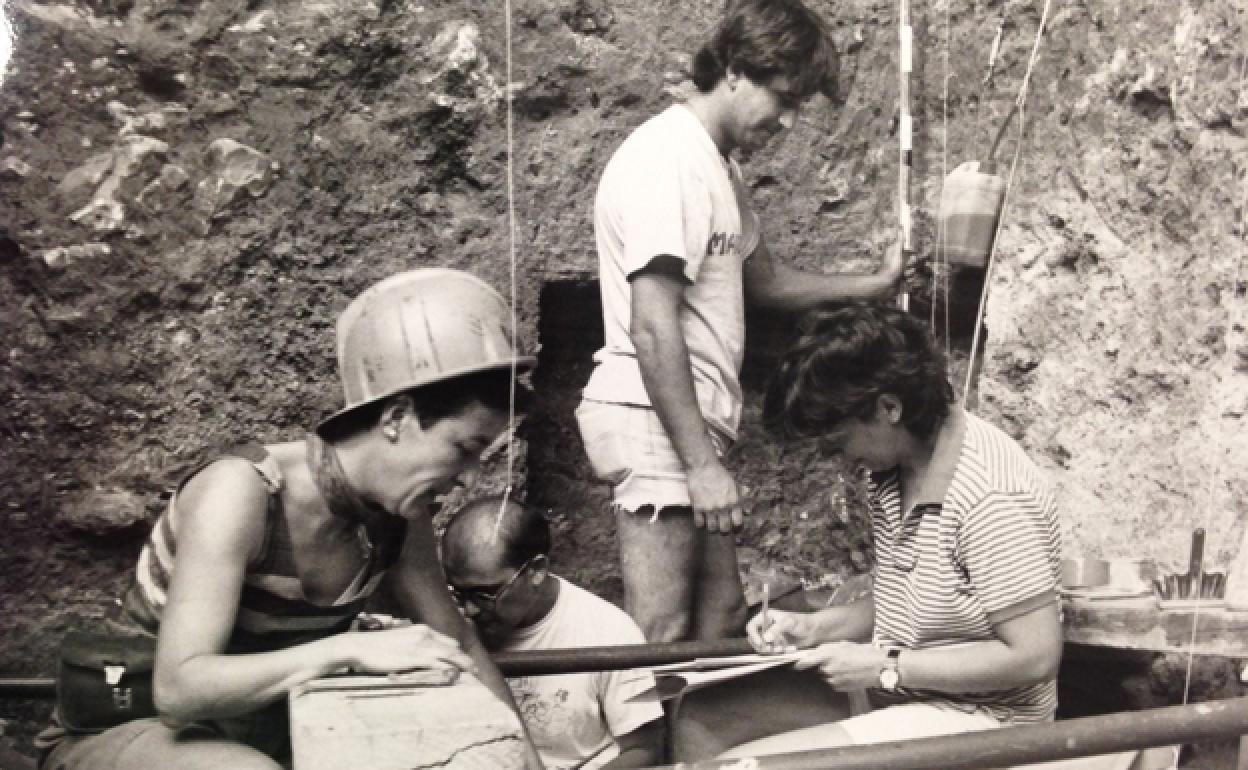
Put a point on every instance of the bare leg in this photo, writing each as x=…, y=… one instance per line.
x=658, y=562
x=147, y=743
x=719, y=601
x=825, y=736
x=714, y=719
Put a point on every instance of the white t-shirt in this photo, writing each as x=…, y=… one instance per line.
x=574, y=716
x=667, y=190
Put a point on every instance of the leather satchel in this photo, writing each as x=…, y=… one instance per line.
x=104, y=680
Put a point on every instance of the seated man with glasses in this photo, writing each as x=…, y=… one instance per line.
x=495, y=552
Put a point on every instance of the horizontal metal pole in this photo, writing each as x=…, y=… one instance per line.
x=1010, y=746
x=28, y=687
x=625, y=656
x=526, y=663
x=1004, y=747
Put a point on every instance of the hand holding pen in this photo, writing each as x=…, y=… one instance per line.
x=766, y=621
x=779, y=631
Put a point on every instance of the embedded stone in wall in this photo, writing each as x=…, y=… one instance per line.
x=105, y=211
x=63, y=256
x=103, y=511
x=460, y=64
x=233, y=169
x=156, y=195
x=14, y=168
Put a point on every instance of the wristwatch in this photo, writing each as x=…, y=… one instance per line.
x=890, y=675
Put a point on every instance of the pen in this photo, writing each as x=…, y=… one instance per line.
x=766, y=601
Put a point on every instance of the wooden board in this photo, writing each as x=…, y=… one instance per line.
x=1141, y=624
x=403, y=723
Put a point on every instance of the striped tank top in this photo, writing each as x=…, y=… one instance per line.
x=947, y=572
x=273, y=612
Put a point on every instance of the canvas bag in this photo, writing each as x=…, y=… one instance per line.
x=104, y=680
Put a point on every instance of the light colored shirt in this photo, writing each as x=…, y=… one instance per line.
x=668, y=191
x=574, y=716
x=990, y=551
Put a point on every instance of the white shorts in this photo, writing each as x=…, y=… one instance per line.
x=906, y=721
x=629, y=449
x=891, y=723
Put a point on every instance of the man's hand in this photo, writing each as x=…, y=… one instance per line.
x=714, y=498
x=894, y=262
x=846, y=665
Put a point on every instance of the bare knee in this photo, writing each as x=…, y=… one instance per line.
x=662, y=625
x=658, y=565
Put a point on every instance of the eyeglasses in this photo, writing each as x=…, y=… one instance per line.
x=489, y=596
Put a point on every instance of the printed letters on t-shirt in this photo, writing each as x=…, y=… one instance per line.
x=721, y=243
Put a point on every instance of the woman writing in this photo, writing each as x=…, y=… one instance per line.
x=963, y=618
x=253, y=575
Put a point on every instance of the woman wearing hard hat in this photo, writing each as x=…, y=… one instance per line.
x=253, y=575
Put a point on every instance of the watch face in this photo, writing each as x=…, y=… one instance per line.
x=889, y=678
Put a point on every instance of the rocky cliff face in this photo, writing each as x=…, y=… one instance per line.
x=190, y=191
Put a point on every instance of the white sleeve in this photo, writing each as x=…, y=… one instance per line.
x=616, y=687
x=663, y=208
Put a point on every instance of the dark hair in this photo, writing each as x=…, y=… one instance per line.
x=523, y=531
x=846, y=358
x=433, y=402
x=764, y=39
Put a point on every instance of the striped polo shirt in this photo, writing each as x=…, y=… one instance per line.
x=990, y=551
x=273, y=612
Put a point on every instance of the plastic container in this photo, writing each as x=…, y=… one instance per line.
x=970, y=205
x=1084, y=573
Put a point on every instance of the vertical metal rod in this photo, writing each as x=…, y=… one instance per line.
x=905, y=136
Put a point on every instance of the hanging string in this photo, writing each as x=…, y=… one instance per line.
x=991, y=70
x=941, y=285
x=1021, y=104
x=511, y=254
x=1228, y=370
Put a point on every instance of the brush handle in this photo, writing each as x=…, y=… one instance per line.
x=1196, y=564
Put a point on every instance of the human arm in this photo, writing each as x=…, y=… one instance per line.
x=636, y=723
x=663, y=358
x=781, y=630
x=642, y=747
x=221, y=521
x=419, y=586
x=1026, y=651
x=771, y=283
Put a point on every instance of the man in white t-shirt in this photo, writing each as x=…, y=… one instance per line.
x=496, y=559
x=679, y=249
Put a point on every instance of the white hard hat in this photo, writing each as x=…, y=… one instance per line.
x=420, y=327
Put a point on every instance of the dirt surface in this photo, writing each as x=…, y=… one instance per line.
x=191, y=190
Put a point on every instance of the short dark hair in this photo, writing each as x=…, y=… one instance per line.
x=523, y=531
x=433, y=402
x=844, y=359
x=764, y=39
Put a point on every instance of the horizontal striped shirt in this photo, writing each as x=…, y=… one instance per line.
x=273, y=612
x=949, y=572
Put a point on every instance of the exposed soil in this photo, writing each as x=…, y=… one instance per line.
x=190, y=190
